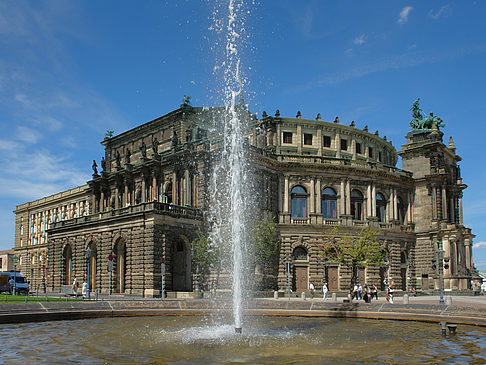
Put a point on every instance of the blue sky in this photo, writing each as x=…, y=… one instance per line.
x=70, y=70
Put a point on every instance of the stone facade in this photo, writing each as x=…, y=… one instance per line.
x=151, y=196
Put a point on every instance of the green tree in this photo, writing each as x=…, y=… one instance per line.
x=205, y=256
x=266, y=243
x=354, y=251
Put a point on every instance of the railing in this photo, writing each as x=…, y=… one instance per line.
x=300, y=221
x=331, y=222
x=156, y=207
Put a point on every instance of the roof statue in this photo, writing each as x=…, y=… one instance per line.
x=419, y=122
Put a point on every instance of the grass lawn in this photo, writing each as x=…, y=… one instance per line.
x=7, y=298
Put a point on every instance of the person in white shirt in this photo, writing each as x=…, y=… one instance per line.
x=324, y=291
x=312, y=290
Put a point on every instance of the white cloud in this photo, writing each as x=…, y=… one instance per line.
x=27, y=135
x=442, y=12
x=478, y=245
x=403, y=17
x=361, y=39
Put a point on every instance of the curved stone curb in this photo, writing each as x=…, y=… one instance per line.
x=36, y=312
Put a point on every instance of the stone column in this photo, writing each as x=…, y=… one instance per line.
x=409, y=208
x=116, y=198
x=395, y=204
x=194, y=190
x=467, y=246
x=186, y=187
x=174, y=188
x=286, y=195
x=312, y=198
x=155, y=188
x=299, y=139
x=126, y=200
x=319, y=142
x=144, y=190
x=369, y=204
x=342, y=199
x=280, y=195
x=318, y=197
x=444, y=203
x=461, y=222
x=452, y=210
x=338, y=146
x=373, y=200
x=102, y=202
x=348, y=197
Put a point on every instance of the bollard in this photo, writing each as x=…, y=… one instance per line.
x=405, y=299
x=303, y=295
x=275, y=294
x=349, y=297
x=448, y=300
x=443, y=328
x=334, y=297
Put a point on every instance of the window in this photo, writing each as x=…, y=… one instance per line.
x=370, y=152
x=329, y=198
x=287, y=137
x=327, y=141
x=380, y=156
x=308, y=139
x=344, y=145
x=358, y=148
x=357, y=205
x=298, y=203
x=380, y=207
x=401, y=211
x=300, y=253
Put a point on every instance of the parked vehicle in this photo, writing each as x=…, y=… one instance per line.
x=22, y=286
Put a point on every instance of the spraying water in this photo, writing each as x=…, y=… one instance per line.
x=229, y=193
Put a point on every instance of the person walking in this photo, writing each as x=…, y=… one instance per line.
x=390, y=293
x=324, y=291
x=360, y=291
x=11, y=284
x=312, y=290
x=374, y=292
x=355, y=291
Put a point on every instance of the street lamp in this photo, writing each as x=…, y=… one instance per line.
x=443, y=263
x=288, y=266
x=41, y=258
x=324, y=261
x=411, y=263
x=15, y=274
x=89, y=252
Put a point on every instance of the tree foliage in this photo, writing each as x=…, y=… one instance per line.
x=204, y=254
x=266, y=242
x=355, y=251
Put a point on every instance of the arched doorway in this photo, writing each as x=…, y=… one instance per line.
x=120, y=266
x=301, y=269
x=93, y=261
x=68, y=264
x=181, y=266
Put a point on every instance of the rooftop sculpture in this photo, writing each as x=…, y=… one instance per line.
x=419, y=122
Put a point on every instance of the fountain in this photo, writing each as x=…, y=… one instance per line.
x=229, y=180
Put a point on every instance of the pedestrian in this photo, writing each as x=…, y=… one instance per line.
x=374, y=292
x=11, y=284
x=75, y=284
x=84, y=290
x=355, y=291
x=360, y=291
x=413, y=292
x=324, y=291
x=483, y=287
x=312, y=290
x=390, y=292
x=365, y=295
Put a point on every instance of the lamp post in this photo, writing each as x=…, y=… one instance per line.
x=324, y=261
x=88, y=258
x=411, y=263
x=443, y=263
x=41, y=258
x=288, y=266
x=15, y=274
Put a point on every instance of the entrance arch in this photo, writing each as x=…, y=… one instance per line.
x=181, y=266
x=120, y=266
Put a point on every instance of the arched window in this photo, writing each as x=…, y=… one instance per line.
x=68, y=264
x=92, y=266
x=401, y=211
x=168, y=193
x=329, y=198
x=380, y=207
x=300, y=253
x=120, y=262
x=357, y=204
x=299, y=202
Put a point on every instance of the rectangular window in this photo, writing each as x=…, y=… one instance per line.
x=344, y=145
x=370, y=152
x=327, y=141
x=380, y=156
x=358, y=148
x=287, y=137
x=308, y=139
